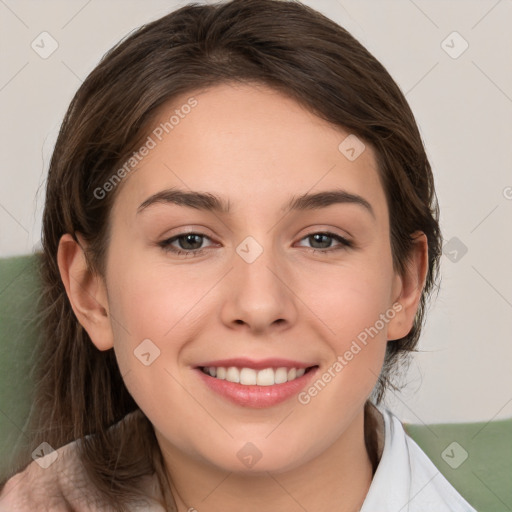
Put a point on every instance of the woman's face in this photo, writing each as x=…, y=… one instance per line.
x=259, y=286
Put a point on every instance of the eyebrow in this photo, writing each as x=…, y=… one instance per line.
x=210, y=202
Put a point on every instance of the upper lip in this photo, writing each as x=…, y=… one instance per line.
x=261, y=364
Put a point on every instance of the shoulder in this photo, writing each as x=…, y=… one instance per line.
x=54, y=481
x=58, y=481
x=407, y=478
x=429, y=483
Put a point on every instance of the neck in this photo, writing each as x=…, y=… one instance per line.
x=336, y=479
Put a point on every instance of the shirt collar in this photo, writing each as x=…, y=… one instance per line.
x=406, y=480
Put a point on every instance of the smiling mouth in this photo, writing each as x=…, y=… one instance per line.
x=252, y=377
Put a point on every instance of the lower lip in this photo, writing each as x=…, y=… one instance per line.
x=257, y=396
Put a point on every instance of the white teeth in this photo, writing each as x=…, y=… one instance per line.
x=265, y=377
x=233, y=374
x=251, y=377
x=248, y=376
x=281, y=375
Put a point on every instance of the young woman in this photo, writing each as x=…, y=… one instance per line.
x=240, y=236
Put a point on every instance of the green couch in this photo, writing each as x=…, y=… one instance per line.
x=484, y=477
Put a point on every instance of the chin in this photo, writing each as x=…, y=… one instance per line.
x=252, y=458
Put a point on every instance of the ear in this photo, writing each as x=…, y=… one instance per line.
x=86, y=291
x=407, y=288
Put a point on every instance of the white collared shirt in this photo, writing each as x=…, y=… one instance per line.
x=406, y=480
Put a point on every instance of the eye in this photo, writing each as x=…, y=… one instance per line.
x=187, y=244
x=323, y=242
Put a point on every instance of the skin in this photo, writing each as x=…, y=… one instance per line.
x=257, y=148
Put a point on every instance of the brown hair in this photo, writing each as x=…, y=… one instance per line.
x=283, y=44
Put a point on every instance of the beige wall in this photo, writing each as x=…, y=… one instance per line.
x=463, y=104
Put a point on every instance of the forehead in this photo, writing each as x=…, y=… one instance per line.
x=251, y=145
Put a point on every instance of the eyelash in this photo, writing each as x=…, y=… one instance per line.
x=167, y=247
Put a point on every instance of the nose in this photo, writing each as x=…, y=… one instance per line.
x=258, y=295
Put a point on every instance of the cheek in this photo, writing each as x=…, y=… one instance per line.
x=153, y=300
x=355, y=312
x=351, y=299
x=355, y=309
x=149, y=307
x=353, y=304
